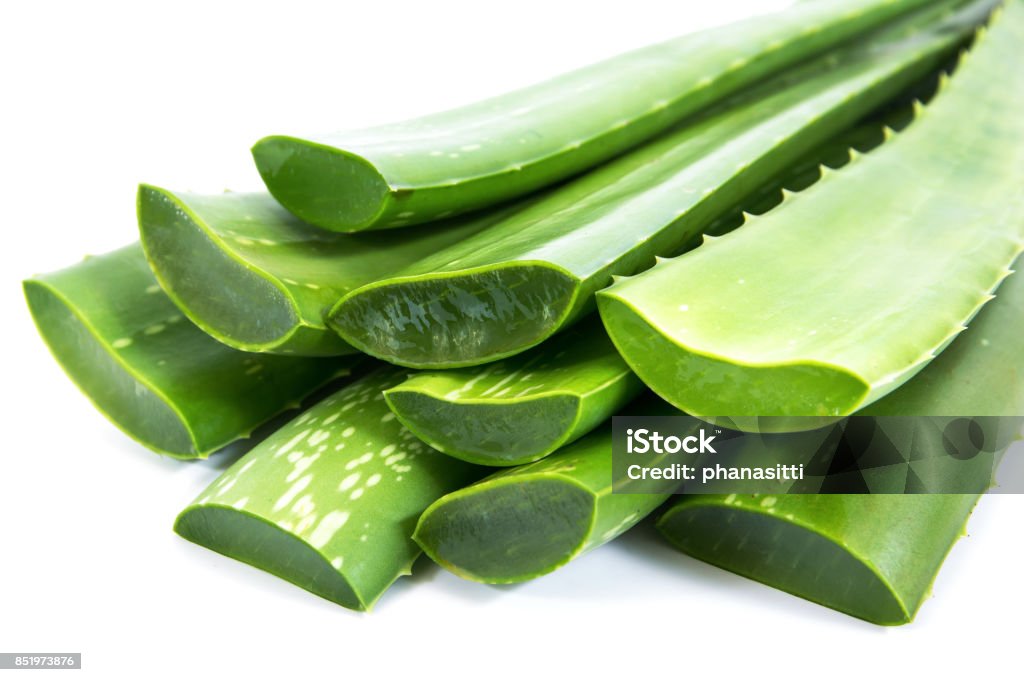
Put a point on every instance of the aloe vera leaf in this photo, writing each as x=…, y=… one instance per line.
x=150, y=371
x=789, y=318
x=252, y=275
x=524, y=522
x=521, y=409
x=871, y=556
x=475, y=156
x=329, y=502
x=517, y=282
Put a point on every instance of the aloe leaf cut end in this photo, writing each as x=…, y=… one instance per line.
x=249, y=309
x=509, y=529
x=258, y=542
x=323, y=185
x=329, y=502
x=716, y=385
x=94, y=366
x=809, y=548
x=485, y=432
x=460, y=319
x=153, y=373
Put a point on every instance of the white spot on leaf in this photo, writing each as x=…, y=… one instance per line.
x=330, y=524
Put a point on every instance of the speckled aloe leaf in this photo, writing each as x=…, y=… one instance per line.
x=527, y=521
x=478, y=155
x=517, y=282
x=256, y=278
x=871, y=556
x=329, y=502
x=848, y=289
x=521, y=409
x=154, y=374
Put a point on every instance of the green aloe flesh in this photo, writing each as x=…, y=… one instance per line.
x=154, y=374
x=871, y=556
x=252, y=275
x=423, y=169
x=521, y=409
x=734, y=328
x=517, y=282
x=524, y=522
x=329, y=502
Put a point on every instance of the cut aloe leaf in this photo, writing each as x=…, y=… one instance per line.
x=871, y=556
x=521, y=409
x=785, y=317
x=330, y=501
x=517, y=282
x=252, y=275
x=154, y=374
x=478, y=155
x=527, y=521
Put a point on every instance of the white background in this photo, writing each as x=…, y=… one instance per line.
x=98, y=96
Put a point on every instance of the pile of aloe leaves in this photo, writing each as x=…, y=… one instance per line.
x=814, y=213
